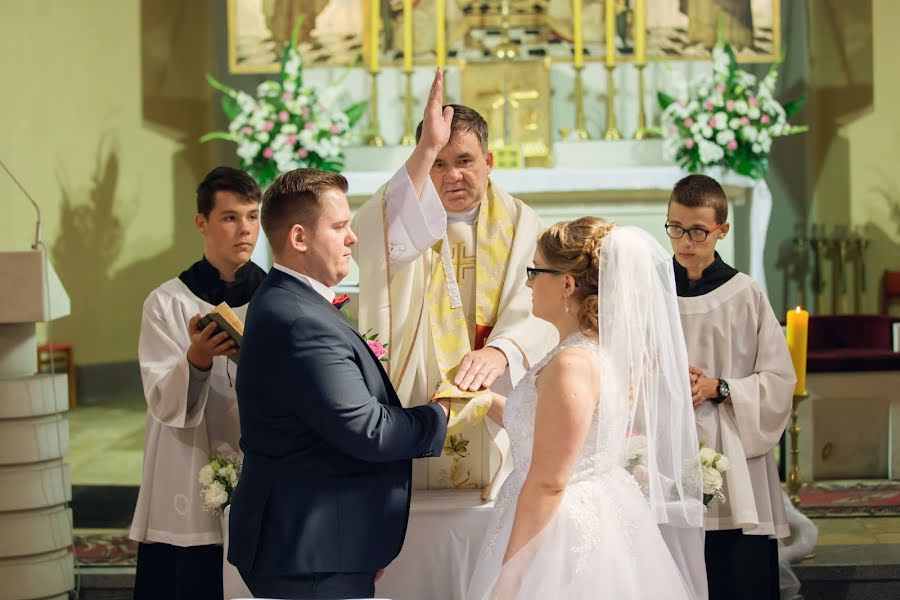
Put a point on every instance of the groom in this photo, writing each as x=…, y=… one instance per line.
x=323, y=498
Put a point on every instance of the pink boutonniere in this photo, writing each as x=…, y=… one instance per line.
x=378, y=349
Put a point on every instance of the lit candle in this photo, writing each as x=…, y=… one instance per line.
x=577, y=33
x=640, y=32
x=407, y=35
x=440, y=42
x=374, y=8
x=797, y=334
x=610, y=32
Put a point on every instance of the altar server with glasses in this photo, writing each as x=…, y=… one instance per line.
x=742, y=381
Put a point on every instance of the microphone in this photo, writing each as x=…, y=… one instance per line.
x=37, y=226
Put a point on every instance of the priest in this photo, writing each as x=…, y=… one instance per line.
x=442, y=255
x=742, y=381
x=189, y=387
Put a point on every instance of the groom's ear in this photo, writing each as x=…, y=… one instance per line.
x=298, y=238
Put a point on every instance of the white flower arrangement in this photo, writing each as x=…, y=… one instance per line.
x=217, y=481
x=721, y=120
x=713, y=464
x=288, y=125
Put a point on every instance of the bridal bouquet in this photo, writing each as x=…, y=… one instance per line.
x=726, y=119
x=288, y=125
x=217, y=480
x=713, y=465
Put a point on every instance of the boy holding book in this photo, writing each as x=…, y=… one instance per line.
x=191, y=402
x=742, y=380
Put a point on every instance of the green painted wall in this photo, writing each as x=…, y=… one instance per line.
x=102, y=106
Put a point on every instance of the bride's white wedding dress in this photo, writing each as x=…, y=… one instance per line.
x=604, y=541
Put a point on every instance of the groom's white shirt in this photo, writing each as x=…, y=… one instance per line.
x=320, y=288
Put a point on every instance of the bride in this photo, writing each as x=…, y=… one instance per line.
x=603, y=440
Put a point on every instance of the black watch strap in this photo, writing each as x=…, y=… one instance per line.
x=722, y=387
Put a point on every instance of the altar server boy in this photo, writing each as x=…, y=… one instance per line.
x=742, y=381
x=191, y=402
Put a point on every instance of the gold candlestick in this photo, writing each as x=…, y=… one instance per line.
x=374, y=138
x=795, y=481
x=409, y=137
x=580, y=129
x=642, y=132
x=612, y=133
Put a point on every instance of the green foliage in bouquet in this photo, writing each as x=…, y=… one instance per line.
x=288, y=125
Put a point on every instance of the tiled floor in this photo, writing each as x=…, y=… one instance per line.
x=858, y=531
x=106, y=443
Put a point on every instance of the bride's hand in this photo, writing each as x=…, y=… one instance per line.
x=495, y=412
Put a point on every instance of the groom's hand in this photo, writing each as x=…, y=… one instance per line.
x=478, y=369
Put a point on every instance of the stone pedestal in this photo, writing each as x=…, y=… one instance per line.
x=36, y=559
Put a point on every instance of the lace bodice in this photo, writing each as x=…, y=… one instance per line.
x=521, y=407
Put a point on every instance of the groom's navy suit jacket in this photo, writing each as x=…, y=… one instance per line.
x=325, y=485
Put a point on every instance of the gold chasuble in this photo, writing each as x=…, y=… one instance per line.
x=464, y=292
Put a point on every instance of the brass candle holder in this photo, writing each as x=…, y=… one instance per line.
x=836, y=252
x=409, y=137
x=795, y=481
x=801, y=262
x=642, y=132
x=580, y=128
x=856, y=254
x=611, y=133
x=374, y=138
x=817, y=242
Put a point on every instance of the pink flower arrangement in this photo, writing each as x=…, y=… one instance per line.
x=726, y=119
x=287, y=124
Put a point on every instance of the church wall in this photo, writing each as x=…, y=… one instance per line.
x=102, y=107
x=856, y=143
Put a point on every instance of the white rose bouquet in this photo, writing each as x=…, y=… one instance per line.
x=217, y=480
x=713, y=465
x=726, y=119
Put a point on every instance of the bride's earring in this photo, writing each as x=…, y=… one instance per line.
x=566, y=301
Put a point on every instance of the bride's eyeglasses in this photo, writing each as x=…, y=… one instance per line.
x=697, y=234
x=532, y=272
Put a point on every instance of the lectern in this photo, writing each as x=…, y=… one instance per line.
x=36, y=558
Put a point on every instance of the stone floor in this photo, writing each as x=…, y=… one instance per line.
x=856, y=558
x=106, y=442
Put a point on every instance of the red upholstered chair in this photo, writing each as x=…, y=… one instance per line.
x=62, y=357
x=890, y=291
x=851, y=343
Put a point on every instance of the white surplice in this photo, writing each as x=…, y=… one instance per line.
x=732, y=334
x=190, y=413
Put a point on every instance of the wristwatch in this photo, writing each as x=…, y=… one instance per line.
x=723, y=391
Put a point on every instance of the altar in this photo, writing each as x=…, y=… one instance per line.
x=443, y=538
x=626, y=182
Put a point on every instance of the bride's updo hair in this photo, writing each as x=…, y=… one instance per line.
x=573, y=247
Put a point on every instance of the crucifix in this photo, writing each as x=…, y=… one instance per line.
x=462, y=261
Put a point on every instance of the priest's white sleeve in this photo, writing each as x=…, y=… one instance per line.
x=413, y=224
x=172, y=398
x=515, y=360
x=762, y=400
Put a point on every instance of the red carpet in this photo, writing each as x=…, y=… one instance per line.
x=102, y=549
x=856, y=498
